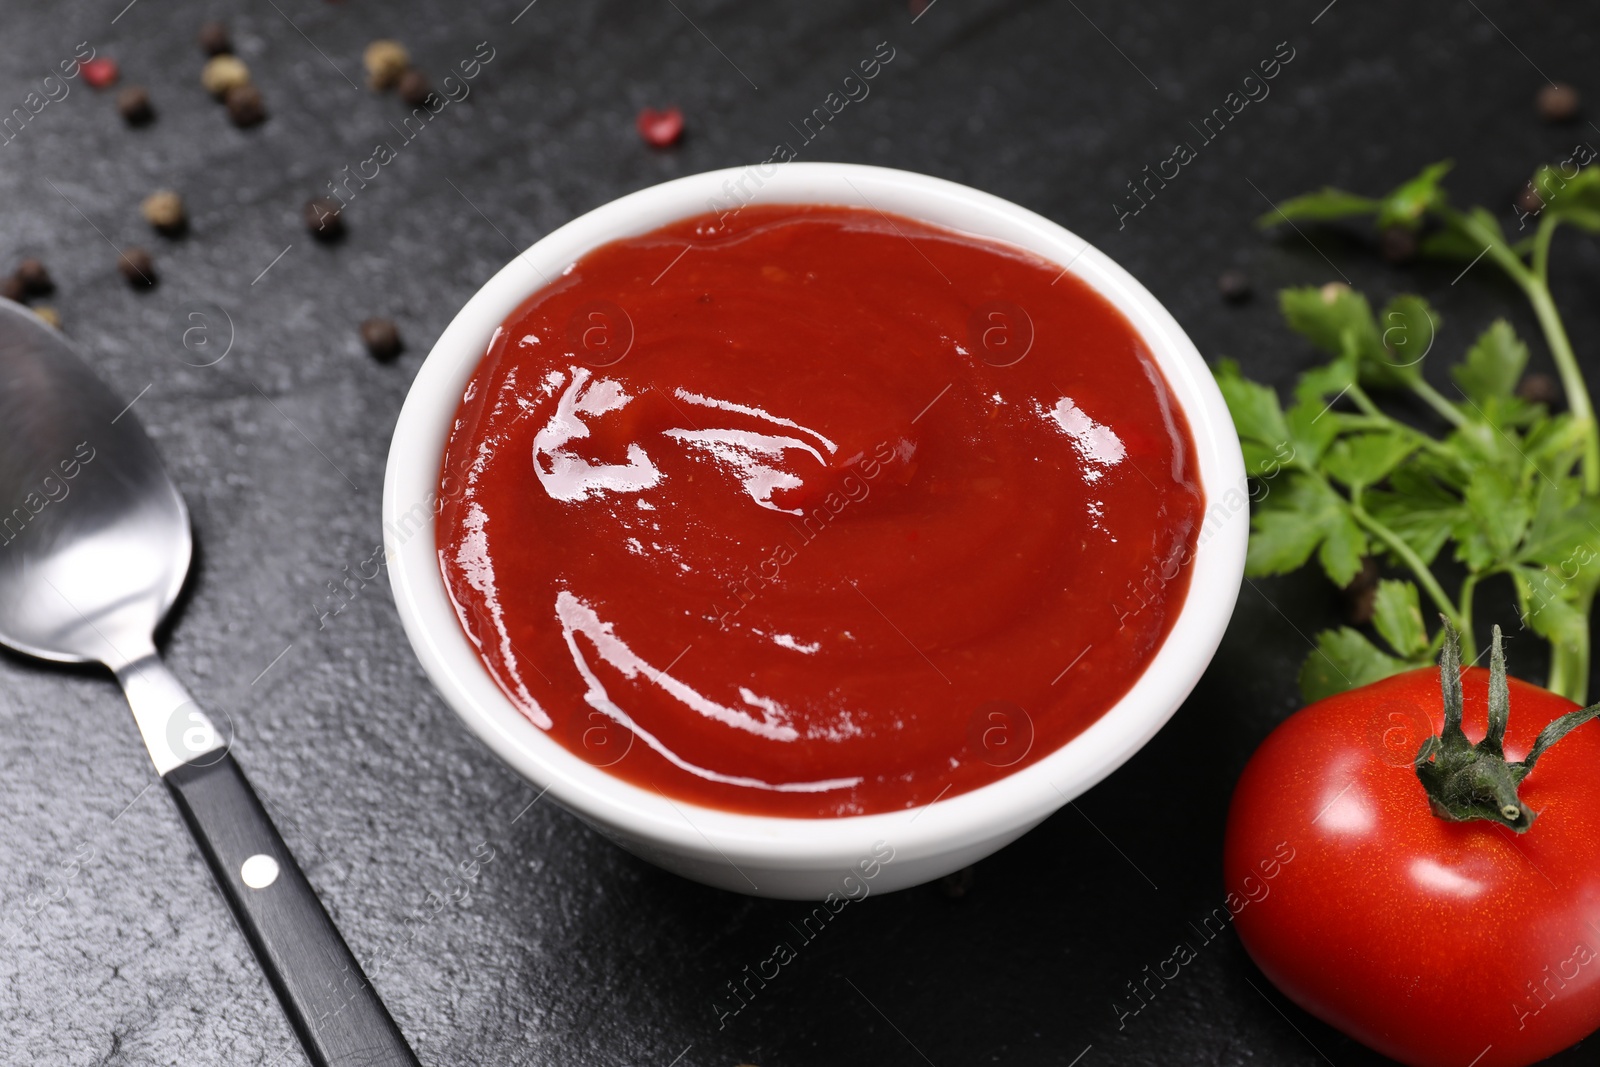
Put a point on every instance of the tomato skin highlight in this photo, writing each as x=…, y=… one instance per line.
x=1437, y=943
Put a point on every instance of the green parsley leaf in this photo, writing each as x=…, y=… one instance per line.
x=1327, y=382
x=1397, y=614
x=1406, y=204
x=1572, y=198
x=1312, y=427
x=1263, y=462
x=1344, y=659
x=1256, y=413
x=1546, y=604
x=1484, y=222
x=1386, y=350
x=1450, y=244
x=1417, y=508
x=1493, y=365
x=1335, y=318
x=1481, y=445
x=1364, y=459
x=1324, y=206
x=1343, y=549
x=1553, y=444
x=1498, y=511
x=1298, y=516
x=1564, y=535
x=1284, y=530
x=1410, y=327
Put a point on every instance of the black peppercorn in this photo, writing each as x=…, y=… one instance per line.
x=324, y=218
x=1540, y=389
x=1233, y=286
x=1398, y=244
x=137, y=266
x=244, y=106
x=1360, y=596
x=35, y=279
x=1557, y=103
x=133, y=104
x=957, y=885
x=214, y=39
x=414, y=88
x=381, y=337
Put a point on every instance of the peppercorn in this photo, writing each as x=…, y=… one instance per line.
x=245, y=107
x=214, y=39
x=36, y=281
x=324, y=218
x=1540, y=389
x=49, y=316
x=137, y=266
x=133, y=104
x=1360, y=596
x=12, y=289
x=222, y=73
x=1234, y=286
x=164, y=211
x=660, y=129
x=382, y=337
x=957, y=885
x=385, y=61
x=1398, y=244
x=100, y=72
x=414, y=88
x=1557, y=102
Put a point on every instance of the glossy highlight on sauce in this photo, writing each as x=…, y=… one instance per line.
x=816, y=511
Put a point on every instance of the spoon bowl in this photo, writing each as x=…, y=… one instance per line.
x=94, y=537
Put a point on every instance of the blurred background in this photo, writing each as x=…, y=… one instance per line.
x=510, y=934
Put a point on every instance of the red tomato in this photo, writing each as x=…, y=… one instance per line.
x=1434, y=942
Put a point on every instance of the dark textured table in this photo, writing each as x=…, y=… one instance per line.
x=509, y=934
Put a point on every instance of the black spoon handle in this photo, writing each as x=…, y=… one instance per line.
x=333, y=1008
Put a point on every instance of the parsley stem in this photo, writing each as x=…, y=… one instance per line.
x=1409, y=557
x=1375, y=418
x=1541, y=247
x=1469, y=586
x=1534, y=283
x=1437, y=402
x=1569, y=664
x=1578, y=403
x=1493, y=241
x=1363, y=403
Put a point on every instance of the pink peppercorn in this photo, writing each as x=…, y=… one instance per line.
x=99, y=72
x=660, y=128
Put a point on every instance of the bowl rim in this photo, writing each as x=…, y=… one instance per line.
x=654, y=821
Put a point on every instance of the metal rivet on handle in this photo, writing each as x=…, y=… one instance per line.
x=259, y=871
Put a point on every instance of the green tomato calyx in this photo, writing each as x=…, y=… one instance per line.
x=1467, y=781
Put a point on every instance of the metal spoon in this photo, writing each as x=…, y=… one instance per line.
x=94, y=546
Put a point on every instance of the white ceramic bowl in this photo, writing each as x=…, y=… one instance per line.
x=785, y=857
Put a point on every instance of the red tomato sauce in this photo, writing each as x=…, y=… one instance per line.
x=816, y=511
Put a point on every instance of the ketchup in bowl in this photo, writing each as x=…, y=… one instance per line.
x=816, y=511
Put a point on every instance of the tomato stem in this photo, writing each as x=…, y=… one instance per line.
x=1467, y=781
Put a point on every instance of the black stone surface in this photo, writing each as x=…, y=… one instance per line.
x=114, y=947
